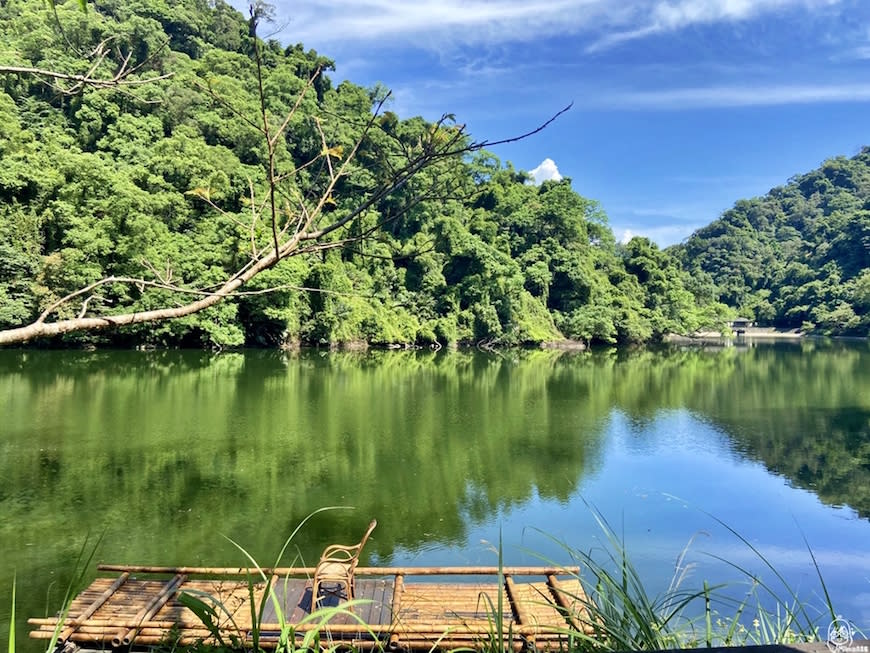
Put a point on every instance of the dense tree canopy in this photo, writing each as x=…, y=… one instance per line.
x=799, y=257
x=157, y=183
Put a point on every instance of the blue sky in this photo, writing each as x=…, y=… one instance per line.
x=681, y=107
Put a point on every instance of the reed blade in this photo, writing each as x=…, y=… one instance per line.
x=12, y=619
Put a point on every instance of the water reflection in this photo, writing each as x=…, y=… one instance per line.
x=169, y=451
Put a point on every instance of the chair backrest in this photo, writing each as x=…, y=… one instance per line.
x=362, y=543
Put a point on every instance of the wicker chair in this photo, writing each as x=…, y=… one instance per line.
x=336, y=568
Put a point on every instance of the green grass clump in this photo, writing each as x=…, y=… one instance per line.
x=622, y=614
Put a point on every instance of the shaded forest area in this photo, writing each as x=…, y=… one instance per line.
x=157, y=182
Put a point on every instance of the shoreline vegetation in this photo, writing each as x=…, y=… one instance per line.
x=768, y=334
x=140, y=216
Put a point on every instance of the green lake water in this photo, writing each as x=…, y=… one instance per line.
x=168, y=454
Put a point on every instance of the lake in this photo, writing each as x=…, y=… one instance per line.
x=169, y=455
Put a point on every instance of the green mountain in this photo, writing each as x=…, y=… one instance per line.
x=799, y=257
x=144, y=194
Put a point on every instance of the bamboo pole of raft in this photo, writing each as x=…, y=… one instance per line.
x=154, y=640
x=92, y=634
x=360, y=571
x=354, y=644
x=206, y=571
x=115, y=624
x=128, y=622
x=442, y=639
x=483, y=628
x=559, y=595
x=125, y=637
x=271, y=588
x=92, y=608
x=149, y=610
x=518, y=610
x=398, y=589
x=435, y=643
x=101, y=633
x=446, y=643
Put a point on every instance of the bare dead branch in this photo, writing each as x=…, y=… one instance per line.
x=123, y=76
x=296, y=106
x=395, y=257
x=409, y=171
x=85, y=304
x=83, y=80
x=513, y=139
x=254, y=253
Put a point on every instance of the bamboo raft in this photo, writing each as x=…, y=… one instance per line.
x=140, y=608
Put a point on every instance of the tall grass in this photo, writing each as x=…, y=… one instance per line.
x=790, y=621
x=498, y=633
x=80, y=570
x=623, y=615
x=12, y=619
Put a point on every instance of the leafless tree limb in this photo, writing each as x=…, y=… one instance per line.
x=122, y=78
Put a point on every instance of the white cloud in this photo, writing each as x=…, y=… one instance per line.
x=477, y=21
x=673, y=15
x=734, y=96
x=547, y=171
x=435, y=22
x=663, y=234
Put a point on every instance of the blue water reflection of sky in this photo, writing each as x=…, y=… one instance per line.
x=665, y=482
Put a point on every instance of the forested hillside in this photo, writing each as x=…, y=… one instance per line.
x=142, y=193
x=799, y=257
